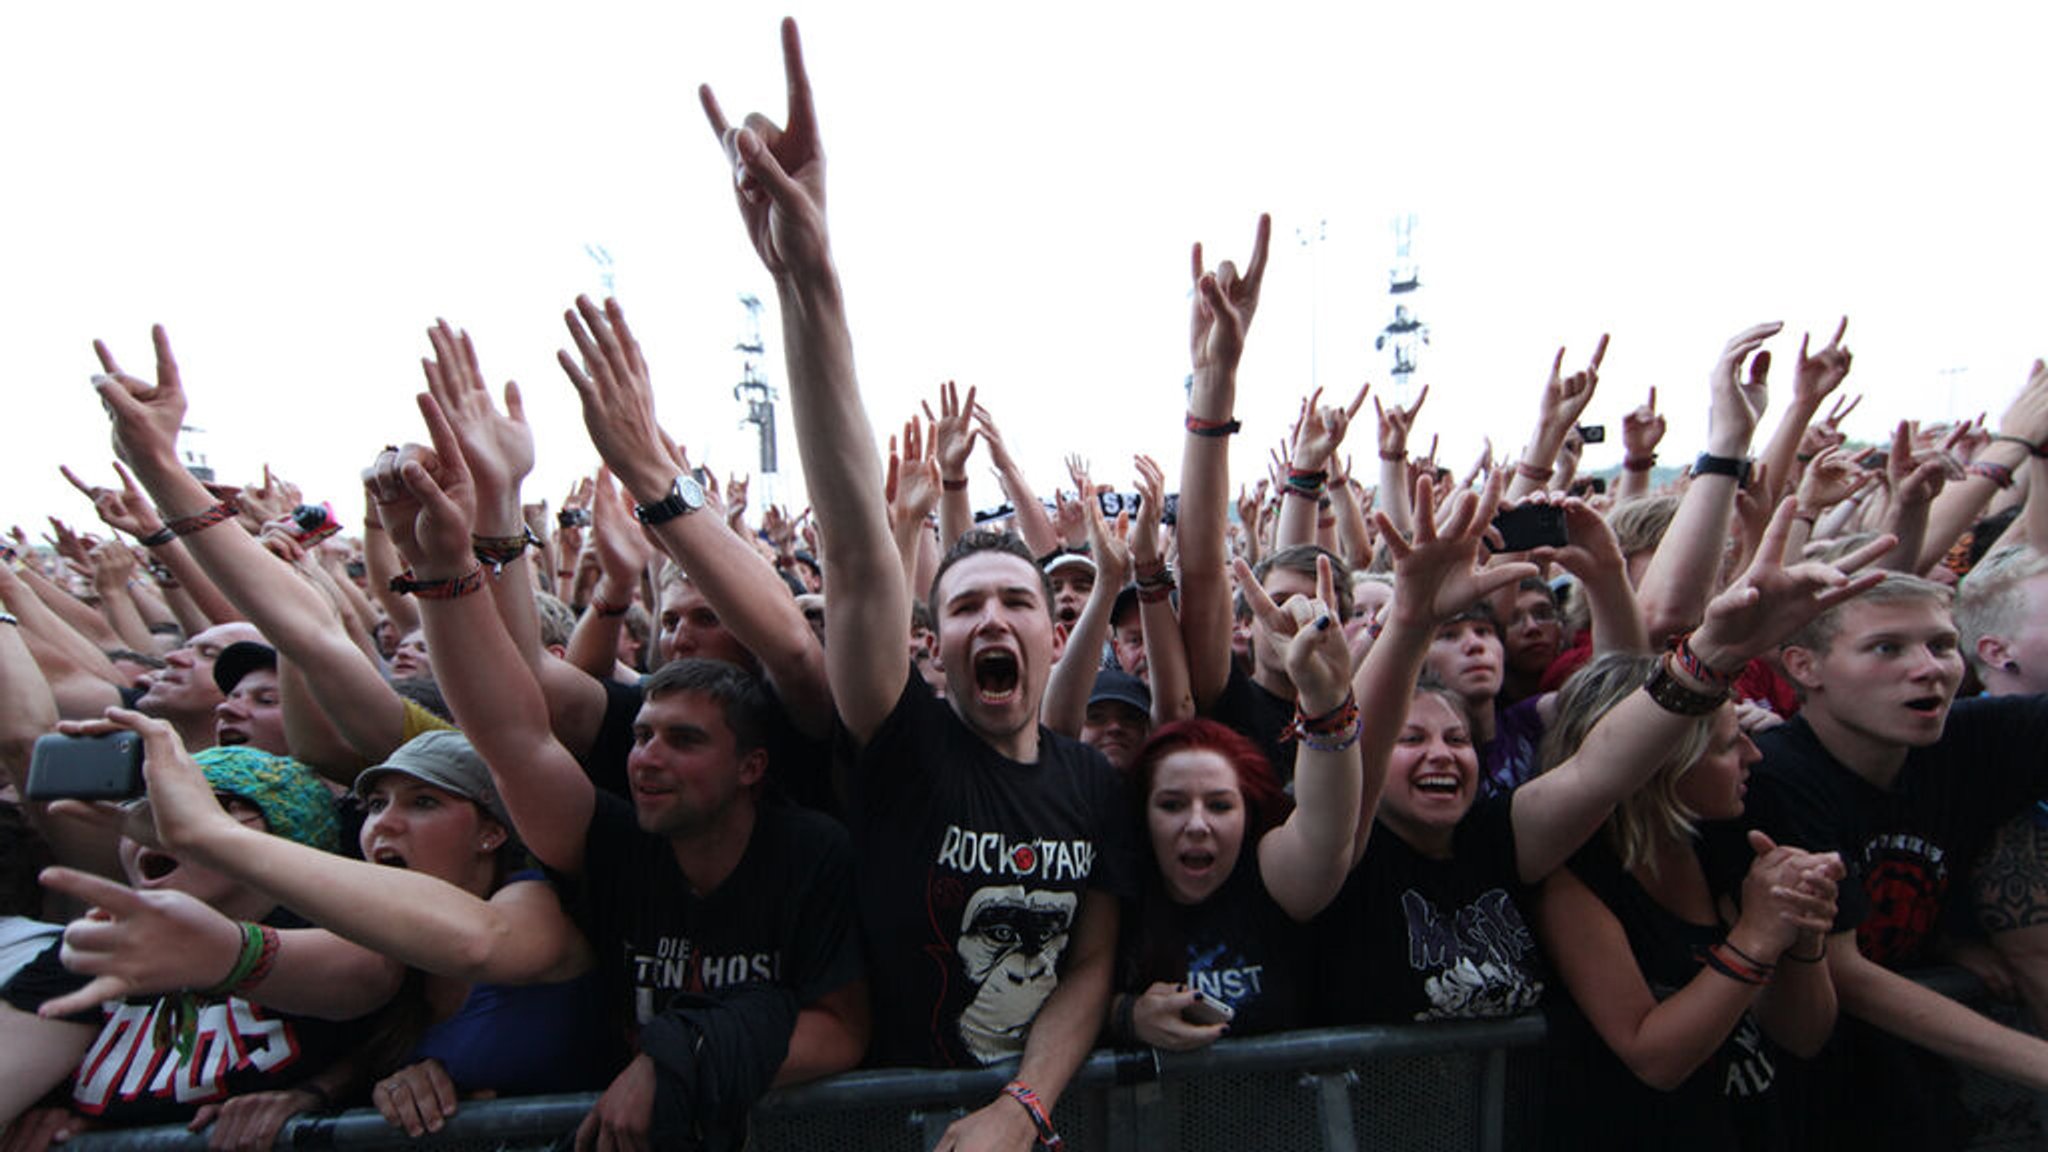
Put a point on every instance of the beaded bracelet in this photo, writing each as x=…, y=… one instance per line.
x=224, y=511
x=1048, y=1136
x=1212, y=428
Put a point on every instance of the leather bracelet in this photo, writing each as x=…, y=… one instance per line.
x=448, y=589
x=1639, y=463
x=2032, y=448
x=1709, y=464
x=1394, y=457
x=158, y=538
x=1677, y=698
x=1212, y=428
x=598, y=606
x=959, y=485
x=199, y=521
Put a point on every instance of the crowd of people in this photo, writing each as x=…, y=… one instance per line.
x=675, y=799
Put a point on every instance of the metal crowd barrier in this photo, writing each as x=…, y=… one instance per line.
x=1458, y=1087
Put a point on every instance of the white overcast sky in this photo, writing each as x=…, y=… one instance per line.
x=298, y=190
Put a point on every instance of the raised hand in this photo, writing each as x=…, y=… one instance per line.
x=496, y=446
x=146, y=418
x=1395, y=424
x=1565, y=397
x=1437, y=574
x=1312, y=644
x=1642, y=429
x=1914, y=479
x=1838, y=412
x=953, y=432
x=126, y=510
x=427, y=500
x=1737, y=403
x=1831, y=477
x=1225, y=303
x=911, y=485
x=1820, y=374
x=1590, y=547
x=1770, y=601
x=618, y=400
x=1106, y=545
x=623, y=550
x=1320, y=431
x=2027, y=417
x=1151, y=485
x=779, y=173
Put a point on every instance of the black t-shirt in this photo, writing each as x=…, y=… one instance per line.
x=1730, y=1101
x=134, y=1073
x=784, y=916
x=1258, y=716
x=1908, y=848
x=1238, y=946
x=1414, y=938
x=972, y=869
x=799, y=767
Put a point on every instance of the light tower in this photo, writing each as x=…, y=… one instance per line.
x=1404, y=336
x=756, y=395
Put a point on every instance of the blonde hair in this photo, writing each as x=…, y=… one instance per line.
x=1652, y=811
x=1989, y=601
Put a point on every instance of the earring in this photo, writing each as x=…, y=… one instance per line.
x=2011, y=666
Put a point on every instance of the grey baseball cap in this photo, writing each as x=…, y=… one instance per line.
x=447, y=761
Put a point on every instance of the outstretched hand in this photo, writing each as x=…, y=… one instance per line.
x=496, y=446
x=1438, y=573
x=1565, y=397
x=1771, y=601
x=1320, y=431
x=779, y=173
x=1738, y=403
x=126, y=510
x=1395, y=424
x=137, y=943
x=1823, y=372
x=953, y=431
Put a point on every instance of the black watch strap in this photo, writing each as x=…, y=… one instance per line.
x=685, y=495
x=1712, y=465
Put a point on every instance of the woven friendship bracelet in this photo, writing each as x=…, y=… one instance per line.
x=1048, y=1136
x=448, y=589
x=1212, y=428
x=226, y=510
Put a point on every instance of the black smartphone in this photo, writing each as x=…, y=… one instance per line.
x=85, y=767
x=1171, y=516
x=573, y=518
x=1593, y=433
x=1531, y=526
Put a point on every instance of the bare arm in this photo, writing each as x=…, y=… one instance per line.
x=953, y=437
x=1392, y=495
x=611, y=377
x=1224, y=305
x=1032, y=522
x=1065, y=704
x=1564, y=400
x=1680, y=579
x=781, y=195
x=426, y=500
x=1879, y=996
x=830, y=1037
x=1816, y=377
x=1166, y=656
x=80, y=678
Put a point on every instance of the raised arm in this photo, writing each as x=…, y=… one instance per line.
x=1642, y=429
x=1317, y=437
x=1593, y=555
x=125, y=510
x=1556, y=812
x=1065, y=704
x=2022, y=434
x=1224, y=304
x=953, y=437
x=426, y=499
x=293, y=616
x=1033, y=524
x=1392, y=497
x=1437, y=574
x=1680, y=579
x=1564, y=400
x=780, y=187
x=622, y=557
x=1915, y=482
x=1166, y=656
x=80, y=677
x=1817, y=376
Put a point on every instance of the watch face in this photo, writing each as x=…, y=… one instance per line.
x=689, y=492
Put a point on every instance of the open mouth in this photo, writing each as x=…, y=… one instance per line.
x=154, y=865
x=995, y=676
x=388, y=856
x=1925, y=705
x=230, y=736
x=1197, y=861
x=1438, y=783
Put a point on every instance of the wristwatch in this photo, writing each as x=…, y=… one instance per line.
x=685, y=496
x=1711, y=465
